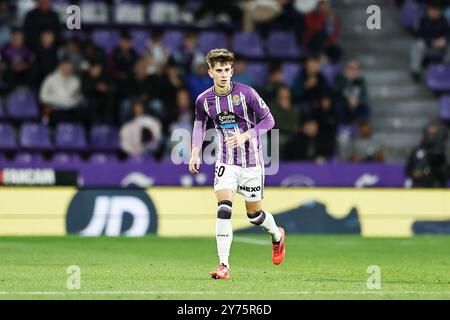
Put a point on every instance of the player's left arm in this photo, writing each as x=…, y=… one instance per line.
x=267, y=122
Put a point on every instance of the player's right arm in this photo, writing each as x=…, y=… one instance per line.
x=198, y=135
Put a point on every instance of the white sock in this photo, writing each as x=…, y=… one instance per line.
x=271, y=227
x=224, y=237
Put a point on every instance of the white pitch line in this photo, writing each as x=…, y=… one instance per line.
x=252, y=241
x=374, y=292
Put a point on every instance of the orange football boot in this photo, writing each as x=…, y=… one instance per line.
x=222, y=272
x=279, y=248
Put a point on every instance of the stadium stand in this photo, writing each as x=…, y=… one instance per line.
x=151, y=50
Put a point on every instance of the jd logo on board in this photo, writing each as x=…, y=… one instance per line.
x=112, y=213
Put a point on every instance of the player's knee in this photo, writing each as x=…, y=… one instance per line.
x=257, y=218
x=224, y=209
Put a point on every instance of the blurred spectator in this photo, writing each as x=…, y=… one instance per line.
x=351, y=92
x=156, y=91
x=287, y=19
x=427, y=165
x=366, y=148
x=96, y=90
x=46, y=55
x=61, y=96
x=39, y=19
x=168, y=83
x=138, y=87
x=322, y=32
x=199, y=81
x=432, y=38
x=306, y=6
x=17, y=59
x=5, y=22
x=309, y=84
x=157, y=52
x=182, y=115
x=240, y=73
x=72, y=51
x=307, y=145
x=91, y=52
x=142, y=134
x=286, y=117
x=259, y=11
x=123, y=58
x=325, y=115
x=273, y=82
x=217, y=11
x=188, y=53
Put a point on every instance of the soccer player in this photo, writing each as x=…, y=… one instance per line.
x=239, y=167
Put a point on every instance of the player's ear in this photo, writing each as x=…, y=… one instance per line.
x=210, y=72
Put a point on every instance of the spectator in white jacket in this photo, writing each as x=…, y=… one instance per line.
x=141, y=135
x=61, y=96
x=61, y=89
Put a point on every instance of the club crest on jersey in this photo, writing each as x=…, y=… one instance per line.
x=227, y=119
x=236, y=100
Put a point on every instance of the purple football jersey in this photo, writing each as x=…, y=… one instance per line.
x=236, y=112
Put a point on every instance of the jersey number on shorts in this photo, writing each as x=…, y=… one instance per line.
x=220, y=171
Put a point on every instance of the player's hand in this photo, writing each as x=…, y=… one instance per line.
x=236, y=139
x=194, y=163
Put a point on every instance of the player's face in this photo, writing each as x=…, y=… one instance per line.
x=221, y=74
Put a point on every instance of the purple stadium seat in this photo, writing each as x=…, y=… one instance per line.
x=35, y=136
x=70, y=136
x=192, y=5
x=208, y=40
x=290, y=71
x=28, y=158
x=248, y=44
x=99, y=158
x=104, y=138
x=438, y=77
x=64, y=158
x=7, y=137
x=258, y=71
x=282, y=44
x=139, y=40
x=173, y=40
x=70, y=34
x=107, y=40
x=444, y=107
x=22, y=104
x=411, y=13
x=329, y=71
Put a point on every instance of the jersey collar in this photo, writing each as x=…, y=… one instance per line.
x=225, y=94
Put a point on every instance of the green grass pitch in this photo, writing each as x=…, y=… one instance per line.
x=316, y=267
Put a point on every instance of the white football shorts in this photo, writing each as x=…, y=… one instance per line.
x=248, y=182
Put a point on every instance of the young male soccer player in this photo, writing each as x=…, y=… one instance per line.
x=239, y=168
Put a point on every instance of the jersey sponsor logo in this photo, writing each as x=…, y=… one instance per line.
x=227, y=119
x=236, y=100
x=111, y=213
x=249, y=189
